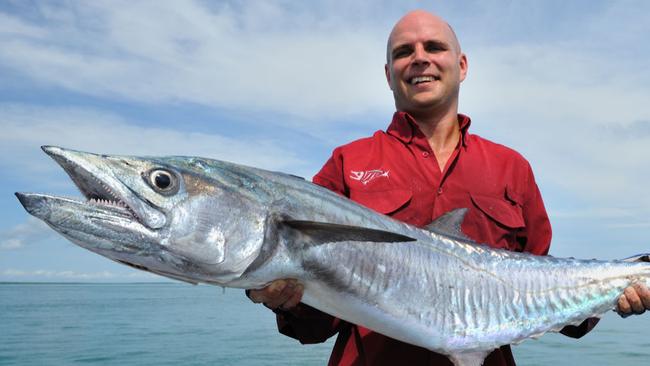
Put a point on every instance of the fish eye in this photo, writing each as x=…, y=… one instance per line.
x=163, y=181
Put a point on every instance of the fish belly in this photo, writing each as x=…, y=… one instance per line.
x=453, y=299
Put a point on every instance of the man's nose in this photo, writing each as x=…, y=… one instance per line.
x=420, y=55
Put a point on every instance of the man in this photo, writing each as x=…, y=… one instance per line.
x=425, y=164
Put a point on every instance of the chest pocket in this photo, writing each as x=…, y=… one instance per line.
x=499, y=210
x=495, y=221
x=384, y=201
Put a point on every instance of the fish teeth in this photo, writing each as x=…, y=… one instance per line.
x=106, y=202
x=113, y=199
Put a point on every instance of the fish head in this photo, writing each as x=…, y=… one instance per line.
x=180, y=217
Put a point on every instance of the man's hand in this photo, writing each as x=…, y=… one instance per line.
x=279, y=294
x=635, y=300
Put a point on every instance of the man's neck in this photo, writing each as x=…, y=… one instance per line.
x=442, y=132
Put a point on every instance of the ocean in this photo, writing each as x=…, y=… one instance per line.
x=180, y=324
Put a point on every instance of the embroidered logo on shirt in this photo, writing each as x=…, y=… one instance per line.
x=366, y=176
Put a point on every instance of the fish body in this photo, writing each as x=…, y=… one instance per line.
x=208, y=221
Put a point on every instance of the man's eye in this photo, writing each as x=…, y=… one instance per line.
x=434, y=47
x=401, y=53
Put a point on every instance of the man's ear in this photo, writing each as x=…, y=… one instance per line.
x=463, y=66
x=387, y=72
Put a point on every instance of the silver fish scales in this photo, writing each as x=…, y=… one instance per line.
x=208, y=221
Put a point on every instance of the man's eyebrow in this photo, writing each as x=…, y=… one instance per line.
x=400, y=47
x=434, y=42
x=438, y=43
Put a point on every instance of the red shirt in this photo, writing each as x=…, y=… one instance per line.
x=396, y=173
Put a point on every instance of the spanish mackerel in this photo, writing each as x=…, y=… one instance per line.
x=208, y=221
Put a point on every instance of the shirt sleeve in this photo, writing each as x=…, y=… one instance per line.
x=536, y=236
x=536, y=239
x=331, y=174
x=304, y=323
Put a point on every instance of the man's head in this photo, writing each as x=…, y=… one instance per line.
x=424, y=65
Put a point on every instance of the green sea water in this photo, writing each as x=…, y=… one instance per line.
x=179, y=324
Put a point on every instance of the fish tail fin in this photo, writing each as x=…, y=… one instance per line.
x=641, y=258
x=645, y=257
x=469, y=358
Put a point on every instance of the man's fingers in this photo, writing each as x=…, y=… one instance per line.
x=294, y=299
x=623, y=306
x=644, y=294
x=634, y=300
x=284, y=294
x=253, y=295
x=280, y=294
x=268, y=293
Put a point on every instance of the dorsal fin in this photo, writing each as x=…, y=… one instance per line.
x=449, y=225
x=322, y=232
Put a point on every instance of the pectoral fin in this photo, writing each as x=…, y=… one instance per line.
x=321, y=232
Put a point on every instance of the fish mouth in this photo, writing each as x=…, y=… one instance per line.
x=100, y=188
x=98, y=193
x=111, y=219
x=80, y=223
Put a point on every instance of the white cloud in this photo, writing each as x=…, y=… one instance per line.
x=557, y=83
x=11, y=244
x=25, y=128
x=23, y=234
x=566, y=86
x=183, y=51
x=11, y=26
x=605, y=218
x=633, y=225
x=595, y=213
x=577, y=111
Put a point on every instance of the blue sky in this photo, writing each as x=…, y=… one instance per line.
x=279, y=84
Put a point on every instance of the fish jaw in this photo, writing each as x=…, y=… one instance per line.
x=109, y=230
x=76, y=218
x=95, y=176
x=113, y=232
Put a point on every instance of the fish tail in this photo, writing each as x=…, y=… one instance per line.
x=645, y=257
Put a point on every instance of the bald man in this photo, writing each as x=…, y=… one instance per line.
x=435, y=166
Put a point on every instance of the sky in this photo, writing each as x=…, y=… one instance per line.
x=279, y=84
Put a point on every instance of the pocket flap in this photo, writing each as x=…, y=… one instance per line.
x=384, y=202
x=499, y=210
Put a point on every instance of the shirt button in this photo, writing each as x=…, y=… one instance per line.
x=425, y=154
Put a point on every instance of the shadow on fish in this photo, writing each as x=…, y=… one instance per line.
x=208, y=221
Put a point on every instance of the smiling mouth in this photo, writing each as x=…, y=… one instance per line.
x=422, y=79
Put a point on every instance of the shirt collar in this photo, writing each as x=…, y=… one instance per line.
x=404, y=127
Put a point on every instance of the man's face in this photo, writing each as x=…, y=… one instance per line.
x=425, y=66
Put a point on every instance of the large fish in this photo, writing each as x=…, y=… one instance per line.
x=208, y=221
